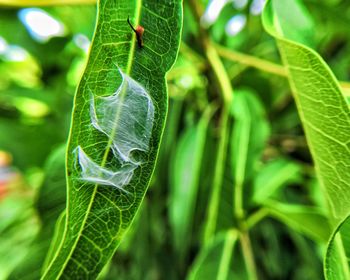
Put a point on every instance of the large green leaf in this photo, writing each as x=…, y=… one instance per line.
x=337, y=261
x=322, y=107
x=119, y=112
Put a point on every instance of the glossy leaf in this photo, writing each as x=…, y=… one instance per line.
x=336, y=266
x=118, y=118
x=322, y=107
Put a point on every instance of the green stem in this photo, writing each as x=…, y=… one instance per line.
x=243, y=127
x=252, y=61
x=248, y=256
x=220, y=74
x=225, y=93
x=215, y=63
x=238, y=201
x=213, y=207
x=256, y=217
x=226, y=256
x=262, y=64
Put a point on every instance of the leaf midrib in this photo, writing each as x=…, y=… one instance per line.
x=104, y=160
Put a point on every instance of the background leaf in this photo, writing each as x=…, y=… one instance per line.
x=50, y=204
x=306, y=219
x=273, y=176
x=185, y=180
x=214, y=261
x=249, y=135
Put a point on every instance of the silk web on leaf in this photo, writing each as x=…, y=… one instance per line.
x=126, y=117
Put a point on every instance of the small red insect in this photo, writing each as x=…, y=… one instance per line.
x=138, y=31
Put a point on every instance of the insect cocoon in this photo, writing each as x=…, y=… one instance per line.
x=126, y=117
x=94, y=173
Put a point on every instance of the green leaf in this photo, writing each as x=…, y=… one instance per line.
x=291, y=20
x=250, y=132
x=118, y=118
x=305, y=219
x=40, y=146
x=336, y=265
x=215, y=259
x=322, y=107
x=50, y=203
x=273, y=176
x=56, y=239
x=18, y=227
x=185, y=180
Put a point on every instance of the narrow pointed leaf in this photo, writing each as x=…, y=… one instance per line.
x=118, y=118
x=322, y=107
x=185, y=180
x=250, y=131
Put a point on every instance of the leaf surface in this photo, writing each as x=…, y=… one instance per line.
x=118, y=118
x=321, y=105
x=305, y=219
x=185, y=180
x=336, y=265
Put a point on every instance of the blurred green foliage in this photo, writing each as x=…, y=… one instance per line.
x=284, y=207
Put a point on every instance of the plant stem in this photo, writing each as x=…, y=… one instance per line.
x=256, y=217
x=262, y=64
x=225, y=92
x=252, y=61
x=220, y=74
x=215, y=63
x=213, y=207
x=248, y=255
x=226, y=256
